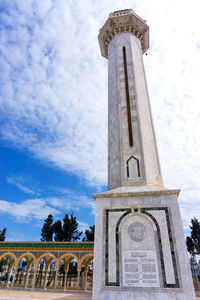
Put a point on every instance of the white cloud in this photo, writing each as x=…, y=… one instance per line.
x=38, y=209
x=82, y=226
x=54, y=86
x=15, y=236
x=72, y=201
x=19, y=181
x=27, y=210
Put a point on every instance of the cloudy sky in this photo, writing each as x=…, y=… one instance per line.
x=53, y=106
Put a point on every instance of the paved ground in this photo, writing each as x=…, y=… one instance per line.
x=39, y=295
x=36, y=295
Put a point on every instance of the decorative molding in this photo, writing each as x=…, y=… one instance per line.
x=122, y=29
x=145, y=211
x=46, y=245
x=127, y=211
x=118, y=193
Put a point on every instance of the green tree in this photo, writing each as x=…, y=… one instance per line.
x=58, y=231
x=61, y=231
x=47, y=230
x=3, y=263
x=3, y=235
x=4, y=260
x=193, y=241
x=70, y=229
x=89, y=234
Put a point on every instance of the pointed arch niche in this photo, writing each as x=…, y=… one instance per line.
x=138, y=252
x=145, y=262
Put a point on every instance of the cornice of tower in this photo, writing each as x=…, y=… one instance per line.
x=136, y=192
x=123, y=21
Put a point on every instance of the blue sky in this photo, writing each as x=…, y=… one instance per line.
x=34, y=191
x=53, y=106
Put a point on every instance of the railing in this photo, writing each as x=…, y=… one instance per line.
x=195, y=269
x=47, y=280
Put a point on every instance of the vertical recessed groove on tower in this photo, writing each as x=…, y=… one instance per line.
x=130, y=130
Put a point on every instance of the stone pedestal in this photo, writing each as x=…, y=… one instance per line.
x=140, y=250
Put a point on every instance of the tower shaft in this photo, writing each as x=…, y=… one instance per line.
x=132, y=151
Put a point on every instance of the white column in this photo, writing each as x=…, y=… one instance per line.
x=45, y=280
x=56, y=279
x=78, y=279
x=26, y=281
x=34, y=277
x=65, y=280
x=14, y=274
x=85, y=280
x=9, y=274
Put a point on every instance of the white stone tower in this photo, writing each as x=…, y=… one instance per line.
x=140, y=250
x=132, y=152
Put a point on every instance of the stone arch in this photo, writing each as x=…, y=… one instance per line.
x=145, y=215
x=65, y=275
x=8, y=255
x=30, y=257
x=67, y=259
x=45, y=275
x=133, y=167
x=137, y=213
x=7, y=267
x=86, y=259
x=11, y=256
x=72, y=268
x=47, y=261
x=86, y=272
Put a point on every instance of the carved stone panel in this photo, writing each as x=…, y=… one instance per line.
x=139, y=252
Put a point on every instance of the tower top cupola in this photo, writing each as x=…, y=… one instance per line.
x=120, y=21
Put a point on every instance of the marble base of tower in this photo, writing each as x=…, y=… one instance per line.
x=140, y=250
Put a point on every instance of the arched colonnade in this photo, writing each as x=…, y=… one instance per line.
x=47, y=265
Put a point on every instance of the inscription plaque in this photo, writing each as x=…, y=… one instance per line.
x=140, y=268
